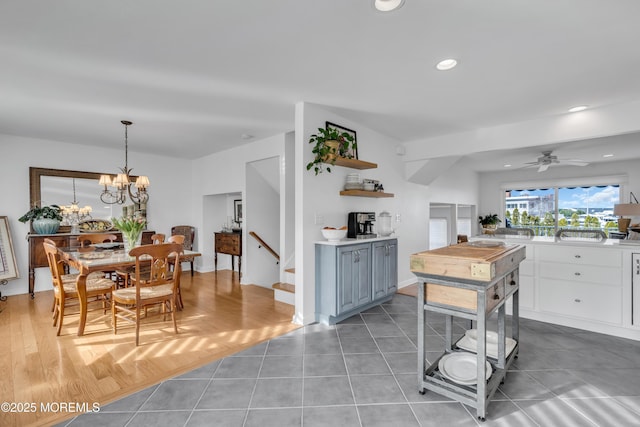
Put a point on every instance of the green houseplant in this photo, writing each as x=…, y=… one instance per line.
x=489, y=221
x=328, y=145
x=44, y=220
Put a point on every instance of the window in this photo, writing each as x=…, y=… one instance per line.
x=438, y=233
x=547, y=210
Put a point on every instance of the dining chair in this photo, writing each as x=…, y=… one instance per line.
x=189, y=234
x=157, y=285
x=179, y=239
x=68, y=278
x=65, y=291
x=123, y=274
x=157, y=238
x=87, y=239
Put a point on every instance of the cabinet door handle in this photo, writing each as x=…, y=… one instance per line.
x=512, y=283
x=577, y=273
x=577, y=300
x=578, y=256
x=496, y=296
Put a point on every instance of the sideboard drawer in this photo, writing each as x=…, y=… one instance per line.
x=228, y=243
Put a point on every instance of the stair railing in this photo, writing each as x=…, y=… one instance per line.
x=263, y=244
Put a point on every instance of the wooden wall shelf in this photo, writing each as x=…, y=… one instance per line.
x=354, y=163
x=363, y=193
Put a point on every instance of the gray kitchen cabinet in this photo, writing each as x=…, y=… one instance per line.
x=385, y=268
x=352, y=276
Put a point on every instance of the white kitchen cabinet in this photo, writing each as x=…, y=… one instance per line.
x=588, y=301
x=581, y=285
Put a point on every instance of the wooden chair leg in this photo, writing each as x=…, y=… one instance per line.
x=191, y=268
x=114, y=319
x=61, y=319
x=138, y=325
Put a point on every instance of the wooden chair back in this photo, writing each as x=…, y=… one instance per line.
x=178, y=238
x=153, y=265
x=93, y=238
x=158, y=238
x=188, y=232
x=56, y=265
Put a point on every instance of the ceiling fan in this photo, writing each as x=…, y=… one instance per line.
x=547, y=159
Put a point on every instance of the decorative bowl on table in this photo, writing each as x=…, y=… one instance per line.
x=334, y=234
x=94, y=225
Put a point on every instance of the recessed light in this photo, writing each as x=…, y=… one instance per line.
x=446, y=64
x=578, y=108
x=246, y=136
x=387, y=5
x=607, y=155
x=507, y=166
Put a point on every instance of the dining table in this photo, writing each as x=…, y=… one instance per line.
x=95, y=258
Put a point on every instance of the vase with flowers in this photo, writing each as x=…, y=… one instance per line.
x=131, y=229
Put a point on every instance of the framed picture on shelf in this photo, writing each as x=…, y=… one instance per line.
x=353, y=152
x=237, y=211
x=8, y=266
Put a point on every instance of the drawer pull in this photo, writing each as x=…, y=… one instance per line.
x=577, y=273
x=578, y=256
x=577, y=300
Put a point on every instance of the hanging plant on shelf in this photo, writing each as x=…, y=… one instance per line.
x=329, y=144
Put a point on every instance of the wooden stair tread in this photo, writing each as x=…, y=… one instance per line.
x=286, y=287
x=290, y=270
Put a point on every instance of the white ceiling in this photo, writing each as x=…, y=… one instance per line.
x=194, y=75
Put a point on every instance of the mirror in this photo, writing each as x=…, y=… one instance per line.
x=55, y=187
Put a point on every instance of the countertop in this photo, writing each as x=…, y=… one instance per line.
x=609, y=243
x=348, y=241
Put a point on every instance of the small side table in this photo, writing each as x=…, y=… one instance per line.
x=229, y=243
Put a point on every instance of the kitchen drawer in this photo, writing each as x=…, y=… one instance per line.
x=581, y=300
x=466, y=299
x=609, y=276
x=580, y=255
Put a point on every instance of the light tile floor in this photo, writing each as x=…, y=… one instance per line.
x=362, y=372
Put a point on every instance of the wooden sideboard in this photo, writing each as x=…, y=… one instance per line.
x=37, y=257
x=230, y=244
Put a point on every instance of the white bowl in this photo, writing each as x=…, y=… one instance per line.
x=333, y=235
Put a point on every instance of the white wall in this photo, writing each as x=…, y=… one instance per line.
x=170, y=194
x=224, y=173
x=319, y=195
x=263, y=218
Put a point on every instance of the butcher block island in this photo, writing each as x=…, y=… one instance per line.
x=471, y=280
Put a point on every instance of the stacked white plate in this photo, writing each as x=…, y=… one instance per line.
x=462, y=368
x=353, y=182
x=470, y=343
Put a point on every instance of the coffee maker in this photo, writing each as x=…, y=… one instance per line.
x=360, y=225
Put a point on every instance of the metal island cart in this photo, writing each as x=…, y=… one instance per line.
x=471, y=280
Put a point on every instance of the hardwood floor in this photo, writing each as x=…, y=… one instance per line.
x=220, y=318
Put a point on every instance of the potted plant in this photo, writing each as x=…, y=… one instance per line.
x=44, y=220
x=328, y=145
x=489, y=221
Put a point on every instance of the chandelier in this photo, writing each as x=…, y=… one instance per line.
x=121, y=184
x=73, y=213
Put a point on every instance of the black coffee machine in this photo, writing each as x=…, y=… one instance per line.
x=360, y=225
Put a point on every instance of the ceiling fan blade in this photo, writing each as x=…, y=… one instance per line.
x=543, y=168
x=575, y=162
